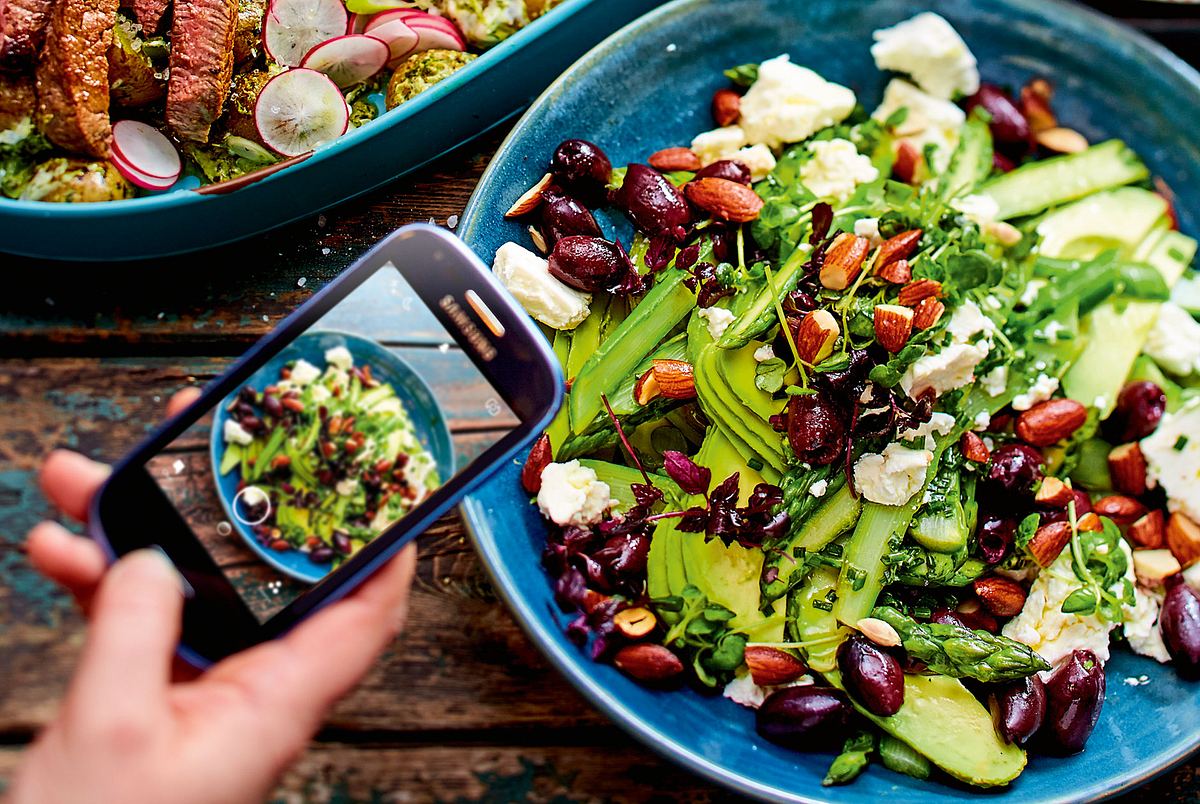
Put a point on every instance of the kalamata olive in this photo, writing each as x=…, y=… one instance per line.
x=252, y=424
x=322, y=555
x=725, y=169
x=582, y=166
x=1140, y=407
x=872, y=676
x=652, y=203
x=996, y=534
x=804, y=716
x=1015, y=468
x=1002, y=163
x=814, y=429
x=1179, y=622
x=840, y=380
x=563, y=216
x=1074, y=697
x=272, y=405
x=1007, y=123
x=341, y=542
x=1019, y=707
x=1083, y=505
x=976, y=620
x=588, y=263
x=243, y=409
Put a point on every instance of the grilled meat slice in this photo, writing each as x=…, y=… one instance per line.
x=72, y=76
x=149, y=14
x=22, y=30
x=202, y=34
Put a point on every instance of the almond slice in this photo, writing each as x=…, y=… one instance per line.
x=770, y=667
x=1048, y=542
x=670, y=159
x=674, y=378
x=1053, y=493
x=912, y=293
x=973, y=448
x=815, y=337
x=928, y=313
x=1149, y=531
x=531, y=199
x=897, y=273
x=1127, y=466
x=893, y=326
x=724, y=199
x=1062, y=140
x=899, y=247
x=1183, y=537
x=726, y=107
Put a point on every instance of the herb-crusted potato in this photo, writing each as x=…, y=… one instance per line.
x=419, y=72
x=76, y=180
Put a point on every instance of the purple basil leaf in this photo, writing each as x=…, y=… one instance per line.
x=694, y=520
x=822, y=219
x=726, y=493
x=691, y=477
x=687, y=257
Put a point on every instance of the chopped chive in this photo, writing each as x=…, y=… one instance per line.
x=832, y=549
x=1180, y=443
x=831, y=596
x=755, y=464
x=823, y=605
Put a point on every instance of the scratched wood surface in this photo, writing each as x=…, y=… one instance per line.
x=461, y=707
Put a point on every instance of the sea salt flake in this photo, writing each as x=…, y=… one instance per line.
x=178, y=466
x=671, y=48
x=301, y=282
x=452, y=221
x=326, y=251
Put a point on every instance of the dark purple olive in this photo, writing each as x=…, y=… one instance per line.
x=341, y=542
x=841, y=380
x=1014, y=469
x=1083, y=505
x=581, y=166
x=1002, y=163
x=322, y=555
x=652, y=203
x=802, y=717
x=1007, y=123
x=248, y=395
x=252, y=424
x=272, y=405
x=1140, y=407
x=1074, y=697
x=1179, y=622
x=725, y=169
x=1018, y=708
x=588, y=263
x=814, y=429
x=873, y=677
x=563, y=216
x=976, y=619
x=996, y=534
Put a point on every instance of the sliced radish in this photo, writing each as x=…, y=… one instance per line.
x=396, y=14
x=146, y=150
x=291, y=28
x=298, y=110
x=400, y=39
x=431, y=37
x=137, y=177
x=349, y=59
x=357, y=23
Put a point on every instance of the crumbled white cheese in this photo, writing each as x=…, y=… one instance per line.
x=1174, y=342
x=320, y=393
x=836, y=169
x=790, y=103
x=952, y=367
x=720, y=143
x=992, y=303
x=1141, y=625
x=995, y=381
x=980, y=208
x=571, y=494
x=819, y=488
x=869, y=228
x=718, y=320
x=929, y=49
x=982, y=421
x=1042, y=389
x=743, y=691
x=968, y=321
x=346, y=487
x=893, y=477
x=938, y=424
x=764, y=353
x=527, y=277
x=1030, y=294
x=253, y=495
x=758, y=158
x=339, y=356
x=930, y=120
x=1177, y=470
x=234, y=433
x=303, y=373
x=1050, y=332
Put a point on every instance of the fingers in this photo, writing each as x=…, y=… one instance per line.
x=71, y=561
x=135, y=626
x=181, y=400
x=69, y=481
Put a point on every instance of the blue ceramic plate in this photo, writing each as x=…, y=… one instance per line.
x=646, y=88
x=489, y=90
x=387, y=367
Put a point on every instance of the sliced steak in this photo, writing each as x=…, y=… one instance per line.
x=202, y=35
x=72, y=76
x=22, y=30
x=149, y=14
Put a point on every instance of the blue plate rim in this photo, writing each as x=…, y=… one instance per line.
x=478, y=525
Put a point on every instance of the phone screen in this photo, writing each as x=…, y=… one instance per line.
x=338, y=436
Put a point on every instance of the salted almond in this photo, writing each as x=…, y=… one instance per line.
x=909, y=162
x=646, y=388
x=973, y=448
x=912, y=293
x=1048, y=542
x=531, y=199
x=878, y=631
x=1001, y=596
x=669, y=159
x=816, y=336
x=1153, y=566
x=1062, y=140
x=648, y=662
x=1127, y=467
x=1183, y=538
x=1051, y=421
x=928, y=313
x=724, y=199
x=897, y=272
x=893, y=326
x=1053, y=493
x=635, y=622
x=539, y=240
x=1119, y=508
x=726, y=107
x=899, y=247
x=1036, y=109
x=843, y=260
x=1089, y=523
x=770, y=667
x=674, y=378
x=1148, y=531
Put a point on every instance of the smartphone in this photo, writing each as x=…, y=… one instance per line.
x=334, y=441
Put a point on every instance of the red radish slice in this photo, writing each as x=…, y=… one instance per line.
x=429, y=20
x=396, y=14
x=291, y=28
x=137, y=177
x=299, y=110
x=430, y=37
x=400, y=39
x=349, y=59
x=357, y=23
x=146, y=150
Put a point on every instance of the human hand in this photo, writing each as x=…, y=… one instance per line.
x=133, y=730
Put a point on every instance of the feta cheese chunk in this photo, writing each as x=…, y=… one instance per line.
x=789, y=103
x=720, y=143
x=952, y=367
x=718, y=320
x=930, y=120
x=893, y=477
x=572, y=495
x=303, y=373
x=1174, y=343
x=764, y=353
x=929, y=49
x=1042, y=389
x=968, y=321
x=1173, y=459
x=758, y=158
x=1141, y=625
x=233, y=433
x=980, y=208
x=340, y=357
x=869, y=228
x=346, y=487
x=819, y=488
x=995, y=381
x=743, y=691
x=836, y=169
x=527, y=277
x=938, y=424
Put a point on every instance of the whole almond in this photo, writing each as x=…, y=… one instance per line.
x=646, y=661
x=878, y=631
x=726, y=107
x=843, y=260
x=1001, y=596
x=899, y=247
x=928, y=313
x=1119, y=508
x=770, y=667
x=669, y=159
x=1053, y=493
x=531, y=199
x=539, y=458
x=897, y=273
x=635, y=622
x=1051, y=421
x=816, y=336
x=675, y=378
x=1183, y=538
x=724, y=199
x=1127, y=468
x=893, y=326
x=1148, y=531
x=1037, y=110
x=646, y=388
x=973, y=448
x=912, y=293
x=1048, y=542
x=909, y=164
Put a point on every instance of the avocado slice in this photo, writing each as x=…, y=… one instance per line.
x=1120, y=219
x=810, y=619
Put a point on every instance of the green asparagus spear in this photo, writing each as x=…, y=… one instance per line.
x=855, y=756
x=913, y=565
x=603, y=435
x=897, y=755
x=953, y=650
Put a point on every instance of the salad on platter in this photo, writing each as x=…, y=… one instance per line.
x=883, y=422
x=101, y=101
x=326, y=459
